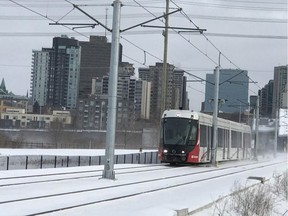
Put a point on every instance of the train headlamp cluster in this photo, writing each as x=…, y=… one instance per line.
x=166, y=151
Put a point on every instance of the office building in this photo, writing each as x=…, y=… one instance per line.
x=39, y=77
x=233, y=91
x=132, y=104
x=55, y=74
x=266, y=100
x=280, y=89
x=174, y=88
x=95, y=62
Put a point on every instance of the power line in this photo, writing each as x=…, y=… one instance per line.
x=233, y=6
x=243, y=35
x=180, y=34
x=86, y=34
x=255, y=2
x=144, y=15
x=141, y=49
x=184, y=14
x=130, y=42
x=46, y=17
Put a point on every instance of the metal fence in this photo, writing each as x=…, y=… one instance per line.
x=47, y=161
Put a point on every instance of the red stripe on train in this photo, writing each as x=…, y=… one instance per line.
x=193, y=156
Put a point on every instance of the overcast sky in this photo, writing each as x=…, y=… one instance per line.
x=251, y=35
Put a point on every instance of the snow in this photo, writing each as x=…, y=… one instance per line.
x=158, y=203
x=66, y=152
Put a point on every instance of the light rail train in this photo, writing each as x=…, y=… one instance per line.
x=186, y=137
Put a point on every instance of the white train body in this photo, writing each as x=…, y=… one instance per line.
x=186, y=137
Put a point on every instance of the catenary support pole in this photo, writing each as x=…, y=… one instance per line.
x=256, y=146
x=112, y=94
x=276, y=133
x=164, y=71
x=215, y=115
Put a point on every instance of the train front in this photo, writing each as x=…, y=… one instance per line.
x=179, y=137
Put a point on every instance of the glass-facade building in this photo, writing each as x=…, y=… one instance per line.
x=233, y=91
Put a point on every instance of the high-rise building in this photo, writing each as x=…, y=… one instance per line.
x=174, y=88
x=143, y=99
x=55, y=74
x=179, y=90
x=39, y=77
x=95, y=62
x=285, y=98
x=132, y=102
x=233, y=91
x=64, y=74
x=265, y=100
x=253, y=102
x=280, y=88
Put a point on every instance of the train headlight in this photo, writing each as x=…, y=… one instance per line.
x=165, y=151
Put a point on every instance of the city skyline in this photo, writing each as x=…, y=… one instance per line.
x=247, y=35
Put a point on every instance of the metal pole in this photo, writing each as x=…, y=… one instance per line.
x=215, y=115
x=164, y=72
x=276, y=132
x=256, y=129
x=240, y=113
x=112, y=94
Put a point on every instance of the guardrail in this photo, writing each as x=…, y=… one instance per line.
x=48, y=161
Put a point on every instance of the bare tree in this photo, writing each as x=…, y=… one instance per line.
x=56, y=132
x=280, y=186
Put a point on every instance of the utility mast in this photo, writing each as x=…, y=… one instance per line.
x=112, y=94
x=215, y=115
x=164, y=72
x=256, y=143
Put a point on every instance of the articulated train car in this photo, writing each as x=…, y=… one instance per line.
x=186, y=137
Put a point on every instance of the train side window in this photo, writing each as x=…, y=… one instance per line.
x=203, y=136
x=247, y=138
x=220, y=137
x=193, y=134
x=234, y=139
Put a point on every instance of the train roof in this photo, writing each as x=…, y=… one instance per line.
x=204, y=119
x=180, y=114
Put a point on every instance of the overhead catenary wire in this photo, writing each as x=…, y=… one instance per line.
x=236, y=7
x=46, y=17
x=143, y=15
x=182, y=12
x=84, y=35
x=179, y=34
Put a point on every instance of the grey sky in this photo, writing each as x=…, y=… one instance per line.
x=22, y=31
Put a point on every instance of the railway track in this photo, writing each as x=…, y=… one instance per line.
x=132, y=188
x=73, y=175
x=62, y=176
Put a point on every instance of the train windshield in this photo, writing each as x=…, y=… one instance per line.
x=179, y=131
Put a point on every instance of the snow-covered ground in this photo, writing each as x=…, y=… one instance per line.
x=158, y=203
x=66, y=152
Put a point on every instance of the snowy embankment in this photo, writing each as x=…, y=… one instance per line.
x=66, y=152
x=11, y=159
x=159, y=190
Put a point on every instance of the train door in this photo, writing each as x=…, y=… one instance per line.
x=204, y=143
x=221, y=144
x=209, y=137
x=226, y=144
x=229, y=144
x=243, y=145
